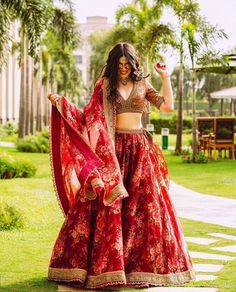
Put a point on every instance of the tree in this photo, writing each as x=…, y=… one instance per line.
x=200, y=38
x=151, y=34
x=185, y=11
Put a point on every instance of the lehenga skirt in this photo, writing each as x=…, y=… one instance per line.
x=138, y=242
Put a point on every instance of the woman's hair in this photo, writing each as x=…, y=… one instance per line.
x=112, y=64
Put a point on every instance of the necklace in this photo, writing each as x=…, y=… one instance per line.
x=125, y=80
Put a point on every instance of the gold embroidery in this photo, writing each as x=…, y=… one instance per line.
x=106, y=278
x=97, y=182
x=57, y=274
x=119, y=277
x=90, y=195
x=115, y=193
x=158, y=279
x=109, y=113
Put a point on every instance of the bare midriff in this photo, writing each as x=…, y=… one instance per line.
x=129, y=120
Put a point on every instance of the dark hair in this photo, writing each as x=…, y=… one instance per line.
x=112, y=65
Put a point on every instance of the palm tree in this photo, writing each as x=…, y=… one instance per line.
x=186, y=10
x=200, y=38
x=151, y=34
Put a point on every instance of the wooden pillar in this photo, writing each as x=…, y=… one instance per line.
x=221, y=106
x=232, y=107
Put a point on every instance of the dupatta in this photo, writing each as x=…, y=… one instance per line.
x=82, y=151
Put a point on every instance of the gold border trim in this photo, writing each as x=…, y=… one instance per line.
x=105, y=279
x=67, y=275
x=118, y=191
x=119, y=277
x=159, y=280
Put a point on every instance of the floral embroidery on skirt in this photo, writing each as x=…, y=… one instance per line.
x=137, y=242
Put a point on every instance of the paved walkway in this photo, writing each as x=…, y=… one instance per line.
x=201, y=207
x=7, y=144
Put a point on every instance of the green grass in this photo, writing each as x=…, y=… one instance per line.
x=25, y=253
x=9, y=138
x=217, y=177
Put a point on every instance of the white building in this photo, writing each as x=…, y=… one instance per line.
x=93, y=24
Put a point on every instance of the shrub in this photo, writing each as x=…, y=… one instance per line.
x=24, y=168
x=10, y=128
x=10, y=168
x=10, y=217
x=201, y=158
x=170, y=123
x=38, y=143
x=7, y=166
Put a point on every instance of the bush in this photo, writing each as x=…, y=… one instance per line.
x=10, y=168
x=10, y=217
x=24, y=168
x=38, y=143
x=201, y=158
x=170, y=123
x=7, y=167
x=10, y=128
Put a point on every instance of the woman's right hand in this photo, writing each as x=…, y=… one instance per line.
x=53, y=98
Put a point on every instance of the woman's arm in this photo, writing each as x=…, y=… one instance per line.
x=168, y=104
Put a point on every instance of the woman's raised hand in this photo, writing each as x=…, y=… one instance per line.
x=53, y=98
x=162, y=70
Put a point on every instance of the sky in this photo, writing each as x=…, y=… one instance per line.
x=217, y=12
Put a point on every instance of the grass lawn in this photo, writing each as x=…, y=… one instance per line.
x=217, y=177
x=25, y=253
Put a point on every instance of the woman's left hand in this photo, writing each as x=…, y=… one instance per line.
x=161, y=69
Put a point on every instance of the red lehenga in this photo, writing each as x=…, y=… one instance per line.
x=120, y=228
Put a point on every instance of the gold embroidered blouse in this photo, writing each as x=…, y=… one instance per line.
x=137, y=101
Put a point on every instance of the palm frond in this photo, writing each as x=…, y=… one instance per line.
x=5, y=21
x=131, y=15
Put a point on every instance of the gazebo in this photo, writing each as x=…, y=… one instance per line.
x=226, y=94
x=229, y=67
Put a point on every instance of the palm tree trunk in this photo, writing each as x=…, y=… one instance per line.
x=194, y=133
x=32, y=102
x=179, y=128
x=39, y=119
x=27, y=96
x=21, y=132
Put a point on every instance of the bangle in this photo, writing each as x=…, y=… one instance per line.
x=166, y=76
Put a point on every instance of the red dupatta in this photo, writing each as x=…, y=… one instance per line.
x=82, y=151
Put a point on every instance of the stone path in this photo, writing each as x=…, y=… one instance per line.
x=205, y=208
x=7, y=144
x=62, y=288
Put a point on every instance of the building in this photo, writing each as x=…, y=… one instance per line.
x=93, y=24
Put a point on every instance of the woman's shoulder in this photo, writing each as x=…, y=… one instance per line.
x=143, y=81
x=101, y=82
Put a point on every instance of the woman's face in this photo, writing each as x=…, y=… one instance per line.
x=124, y=68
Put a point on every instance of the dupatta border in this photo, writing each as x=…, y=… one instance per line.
x=116, y=193
x=64, y=208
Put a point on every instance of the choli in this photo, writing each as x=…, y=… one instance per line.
x=137, y=101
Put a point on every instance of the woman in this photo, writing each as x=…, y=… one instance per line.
x=120, y=227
